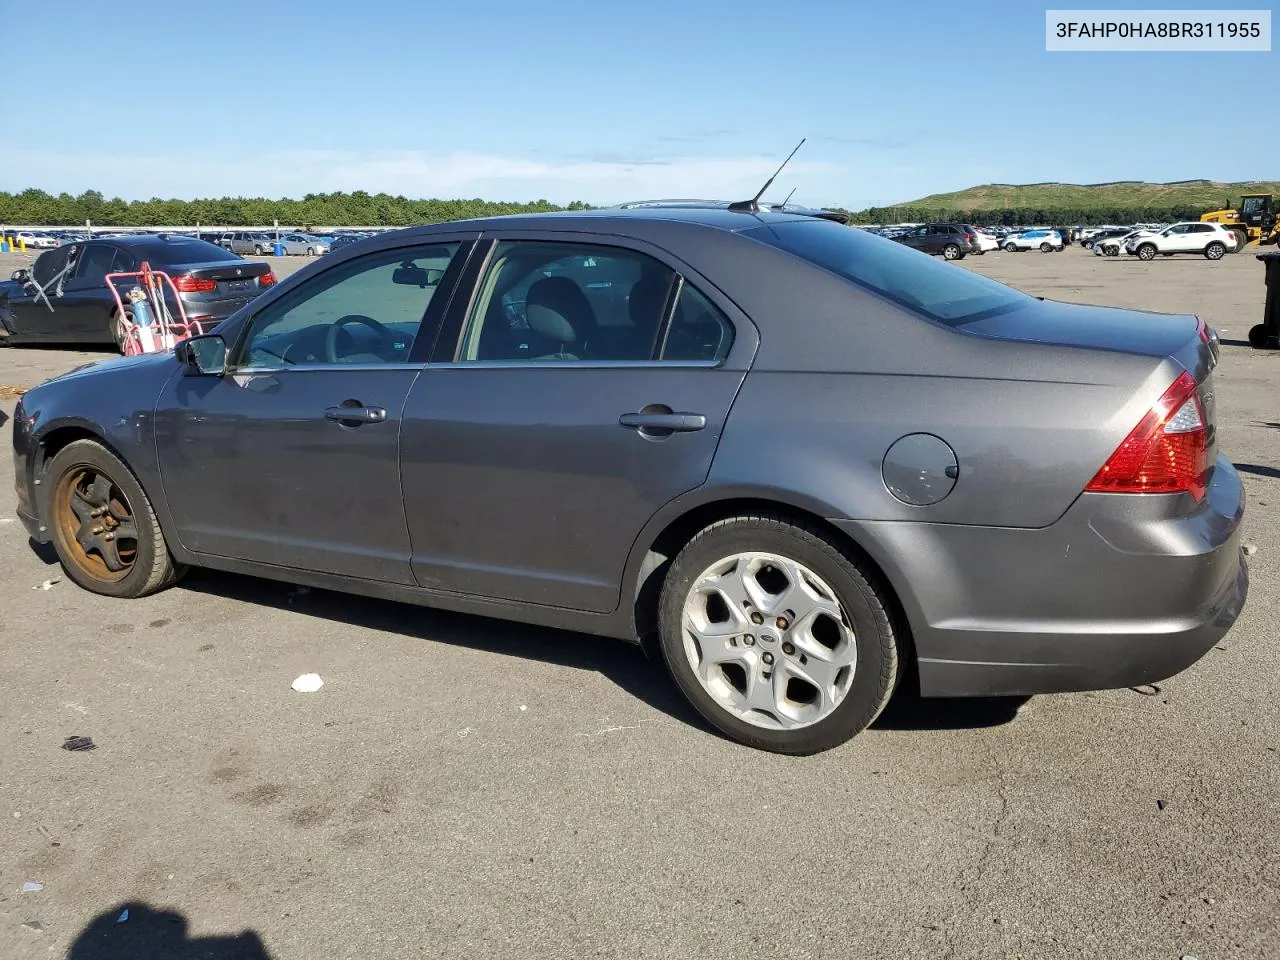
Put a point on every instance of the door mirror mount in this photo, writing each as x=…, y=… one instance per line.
x=22, y=275
x=205, y=355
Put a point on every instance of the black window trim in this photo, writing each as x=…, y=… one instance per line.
x=449, y=345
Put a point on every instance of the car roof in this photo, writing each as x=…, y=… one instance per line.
x=158, y=245
x=719, y=218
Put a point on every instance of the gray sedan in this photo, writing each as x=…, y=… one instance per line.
x=802, y=461
x=304, y=245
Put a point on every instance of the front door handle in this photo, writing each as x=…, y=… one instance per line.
x=355, y=414
x=664, y=423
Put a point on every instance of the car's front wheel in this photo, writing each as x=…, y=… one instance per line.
x=1214, y=251
x=777, y=636
x=257, y=251
x=1010, y=248
x=104, y=529
x=1045, y=247
x=1147, y=252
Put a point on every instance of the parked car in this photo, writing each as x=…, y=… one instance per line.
x=64, y=297
x=345, y=240
x=1042, y=240
x=1209, y=240
x=984, y=242
x=258, y=244
x=35, y=241
x=1114, y=246
x=952, y=241
x=1102, y=234
x=612, y=413
x=304, y=245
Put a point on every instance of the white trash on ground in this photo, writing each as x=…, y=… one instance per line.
x=48, y=584
x=308, y=683
x=32, y=886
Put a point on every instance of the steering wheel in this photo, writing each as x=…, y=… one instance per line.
x=385, y=334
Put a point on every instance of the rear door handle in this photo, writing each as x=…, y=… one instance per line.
x=667, y=422
x=355, y=414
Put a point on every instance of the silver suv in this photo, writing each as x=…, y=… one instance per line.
x=258, y=244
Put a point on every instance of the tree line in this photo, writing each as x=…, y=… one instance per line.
x=380, y=209
x=329, y=209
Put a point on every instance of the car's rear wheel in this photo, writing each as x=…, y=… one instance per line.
x=104, y=529
x=777, y=636
x=951, y=252
x=1214, y=251
x=1147, y=252
x=1242, y=240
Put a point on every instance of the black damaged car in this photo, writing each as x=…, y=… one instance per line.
x=64, y=297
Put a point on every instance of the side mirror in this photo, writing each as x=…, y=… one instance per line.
x=22, y=275
x=205, y=355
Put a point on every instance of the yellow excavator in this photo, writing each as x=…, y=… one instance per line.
x=1255, y=220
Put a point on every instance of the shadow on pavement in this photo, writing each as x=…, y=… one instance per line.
x=1258, y=470
x=44, y=552
x=909, y=711
x=154, y=933
x=622, y=663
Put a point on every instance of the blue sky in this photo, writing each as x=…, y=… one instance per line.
x=608, y=101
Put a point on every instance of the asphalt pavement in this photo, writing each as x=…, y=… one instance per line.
x=462, y=787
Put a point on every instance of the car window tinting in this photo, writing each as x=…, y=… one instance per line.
x=699, y=331
x=567, y=302
x=48, y=264
x=168, y=252
x=392, y=288
x=95, y=262
x=939, y=290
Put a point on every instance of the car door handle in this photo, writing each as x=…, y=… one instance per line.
x=355, y=414
x=673, y=422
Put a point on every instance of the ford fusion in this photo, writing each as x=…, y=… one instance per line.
x=804, y=460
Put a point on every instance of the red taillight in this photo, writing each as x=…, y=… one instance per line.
x=1167, y=452
x=267, y=279
x=189, y=284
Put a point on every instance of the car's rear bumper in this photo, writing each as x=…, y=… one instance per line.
x=1122, y=590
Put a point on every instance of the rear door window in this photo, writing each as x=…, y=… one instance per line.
x=936, y=289
x=95, y=263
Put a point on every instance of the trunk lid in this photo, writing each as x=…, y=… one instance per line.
x=236, y=279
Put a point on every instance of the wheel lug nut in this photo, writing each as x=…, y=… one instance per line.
x=756, y=618
x=768, y=657
x=789, y=649
x=749, y=640
x=109, y=536
x=781, y=623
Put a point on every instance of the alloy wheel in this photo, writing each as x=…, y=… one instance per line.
x=769, y=640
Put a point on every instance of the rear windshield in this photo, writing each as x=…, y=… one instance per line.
x=942, y=291
x=186, y=251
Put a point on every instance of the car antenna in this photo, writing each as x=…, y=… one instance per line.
x=752, y=205
x=789, y=196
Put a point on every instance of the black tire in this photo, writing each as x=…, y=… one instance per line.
x=257, y=251
x=862, y=599
x=951, y=252
x=1046, y=247
x=1242, y=240
x=1087, y=244
x=1146, y=252
x=1260, y=338
x=1214, y=251
x=152, y=567
x=1010, y=248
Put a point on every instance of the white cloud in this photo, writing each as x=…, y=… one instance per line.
x=460, y=174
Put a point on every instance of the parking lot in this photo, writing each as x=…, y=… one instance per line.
x=471, y=788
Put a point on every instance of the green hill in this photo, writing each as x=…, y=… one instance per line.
x=1208, y=194
x=1122, y=201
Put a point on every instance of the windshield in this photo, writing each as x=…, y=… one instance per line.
x=1252, y=205
x=940, y=290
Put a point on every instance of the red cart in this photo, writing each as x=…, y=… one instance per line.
x=146, y=300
